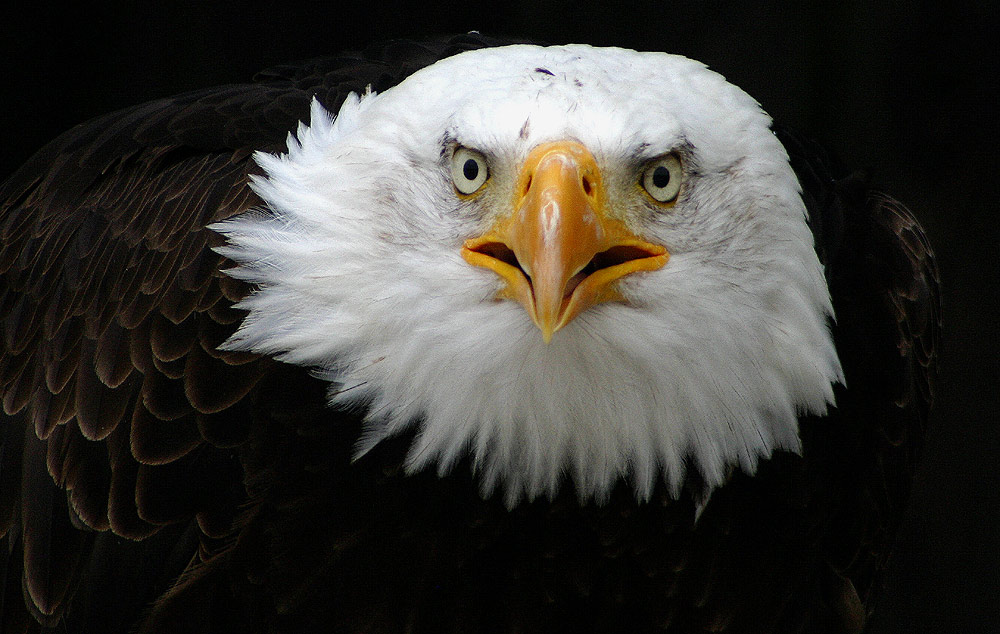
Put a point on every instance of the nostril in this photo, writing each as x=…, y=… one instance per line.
x=588, y=187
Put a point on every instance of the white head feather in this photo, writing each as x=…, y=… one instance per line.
x=709, y=363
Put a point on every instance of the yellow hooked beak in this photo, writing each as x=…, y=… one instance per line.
x=559, y=252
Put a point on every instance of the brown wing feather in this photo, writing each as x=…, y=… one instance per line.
x=105, y=223
x=73, y=377
x=916, y=301
x=885, y=288
x=911, y=305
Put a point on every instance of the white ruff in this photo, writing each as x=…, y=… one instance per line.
x=359, y=274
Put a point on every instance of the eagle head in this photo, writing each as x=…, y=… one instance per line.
x=566, y=263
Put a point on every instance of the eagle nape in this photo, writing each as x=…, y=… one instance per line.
x=531, y=339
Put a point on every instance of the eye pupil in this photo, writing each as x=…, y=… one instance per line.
x=470, y=169
x=661, y=177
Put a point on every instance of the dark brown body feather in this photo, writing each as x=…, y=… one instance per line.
x=150, y=482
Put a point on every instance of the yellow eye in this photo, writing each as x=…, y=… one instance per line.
x=468, y=170
x=662, y=178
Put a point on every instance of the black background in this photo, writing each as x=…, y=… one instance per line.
x=906, y=90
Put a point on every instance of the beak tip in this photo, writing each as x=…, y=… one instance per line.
x=548, y=330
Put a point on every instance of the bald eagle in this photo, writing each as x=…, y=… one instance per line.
x=455, y=337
